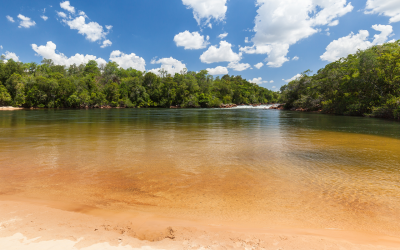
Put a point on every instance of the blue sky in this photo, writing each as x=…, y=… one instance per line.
x=265, y=41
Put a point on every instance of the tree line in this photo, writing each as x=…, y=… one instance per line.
x=365, y=83
x=48, y=85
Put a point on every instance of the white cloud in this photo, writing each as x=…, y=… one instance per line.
x=259, y=65
x=210, y=25
x=238, y=66
x=351, y=43
x=277, y=56
x=1, y=47
x=258, y=81
x=11, y=55
x=389, y=8
x=106, y=43
x=10, y=18
x=48, y=51
x=128, y=61
x=222, y=54
x=44, y=17
x=92, y=31
x=272, y=81
x=246, y=40
x=334, y=23
x=219, y=70
x=61, y=14
x=190, y=40
x=25, y=22
x=279, y=24
x=293, y=78
x=295, y=58
x=81, y=13
x=171, y=65
x=66, y=6
x=207, y=10
x=223, y=35
x=263, y=49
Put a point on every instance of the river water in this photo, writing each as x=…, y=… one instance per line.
x=269, y=167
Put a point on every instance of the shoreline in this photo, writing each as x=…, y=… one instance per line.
x=29, y=220
x=10, y=108
x=223, y=106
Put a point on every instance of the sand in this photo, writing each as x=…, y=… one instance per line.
x=10, y=108
x=26, y=226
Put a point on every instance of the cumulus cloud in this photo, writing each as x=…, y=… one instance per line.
x=44, y=17
x=61, y=14
x=258, y=81
x=238, y=66
x=219, y=70
x=10, y=18
x=389, y=8
x=190, y=40
x=11, y=55
x=128, y=61
x=293, y=78
x=67, y=6
x=295, y=58
x=25, y=22
x=263, y=49
x=106, y=43
x=272, y=81
x=222, y=54
x=279, y=24
x=223, y=35
x=351, y=43
x=259, y=65
x=334, y=23
x=48, y=51
x=171, y=65
x=205, y=10
x=1, y=47
x=92, y=30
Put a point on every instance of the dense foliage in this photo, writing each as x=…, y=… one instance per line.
x=365, y=83
x=89, y=85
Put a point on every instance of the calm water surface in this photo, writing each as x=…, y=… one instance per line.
x=262, y=166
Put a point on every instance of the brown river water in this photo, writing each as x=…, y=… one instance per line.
x=266, y=167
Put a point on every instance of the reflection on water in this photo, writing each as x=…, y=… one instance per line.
x=265, y=166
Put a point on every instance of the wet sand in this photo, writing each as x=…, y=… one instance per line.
x=24, y=225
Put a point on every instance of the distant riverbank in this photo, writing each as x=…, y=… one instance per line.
x=222, y=106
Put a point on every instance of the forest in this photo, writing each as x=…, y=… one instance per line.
x=90, y=85
x=366, y=83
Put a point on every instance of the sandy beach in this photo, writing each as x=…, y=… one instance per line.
x=25, y=225
x=10, y=108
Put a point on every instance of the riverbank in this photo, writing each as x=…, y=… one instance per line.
x=10, y=108
x=32, y=225
x=222, y=106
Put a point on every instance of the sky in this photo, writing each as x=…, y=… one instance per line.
x=267, y=42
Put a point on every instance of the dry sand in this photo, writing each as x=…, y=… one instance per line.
x=25, y=225
x=10, y=108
